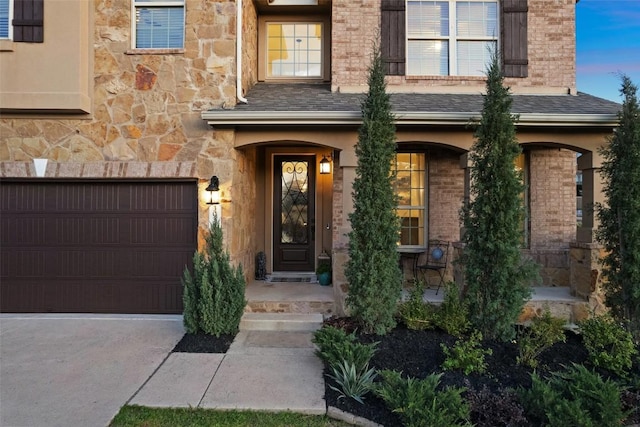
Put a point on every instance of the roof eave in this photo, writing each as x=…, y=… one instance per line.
x=270, y=118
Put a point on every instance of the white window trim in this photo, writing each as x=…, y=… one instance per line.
x=136, y=4
x=9, y=19
x=452, y=38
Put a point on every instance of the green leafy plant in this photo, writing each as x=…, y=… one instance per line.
x=543, y=332
x=213, y=296
x=466, y=355
x=453, y=315
x=415, y=313
x=373, y=273
x=323, y=267
x=336, y=347
x=574, y=397
x=610, y=346
x=352, y=381
x=497, y=276
x=419, y=402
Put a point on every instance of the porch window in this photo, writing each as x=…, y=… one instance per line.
x=158, y=24
x=410, y=187
x=522, y=166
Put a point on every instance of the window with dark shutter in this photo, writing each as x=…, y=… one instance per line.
x=28, y=18
x=514, y=38
x=392, y=36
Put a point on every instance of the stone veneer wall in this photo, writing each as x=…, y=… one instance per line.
x=551, y=34
x=146, y=115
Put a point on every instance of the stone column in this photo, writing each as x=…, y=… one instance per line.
x=585, y=268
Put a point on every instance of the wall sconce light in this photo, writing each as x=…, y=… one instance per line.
x=214, y=191
x=325, y=165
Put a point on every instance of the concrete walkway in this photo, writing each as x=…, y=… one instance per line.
x=79, y=370
x=270, y=368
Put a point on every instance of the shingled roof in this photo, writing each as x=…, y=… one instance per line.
x=272, y=103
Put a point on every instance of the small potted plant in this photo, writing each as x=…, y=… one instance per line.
x=324, y=272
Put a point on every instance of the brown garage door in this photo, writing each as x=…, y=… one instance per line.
x=95, y=246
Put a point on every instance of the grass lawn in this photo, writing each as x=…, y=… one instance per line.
x=138, y=416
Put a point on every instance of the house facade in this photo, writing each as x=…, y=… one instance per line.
x=136, y=104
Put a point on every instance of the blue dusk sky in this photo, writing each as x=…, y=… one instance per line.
x=608, y=43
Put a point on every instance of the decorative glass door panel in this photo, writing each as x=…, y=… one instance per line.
x=294, y=213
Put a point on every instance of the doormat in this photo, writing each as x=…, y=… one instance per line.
x=290, y=279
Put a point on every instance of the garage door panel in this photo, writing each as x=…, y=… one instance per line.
x=96, y=247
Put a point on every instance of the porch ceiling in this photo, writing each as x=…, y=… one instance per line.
x=315, y=104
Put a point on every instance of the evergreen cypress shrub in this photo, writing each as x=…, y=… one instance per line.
x=213, y=296
x=497, y=277
x=373, y=270
x=619, y=230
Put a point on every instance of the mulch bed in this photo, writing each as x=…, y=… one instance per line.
x=203, y=343
x=418, y=354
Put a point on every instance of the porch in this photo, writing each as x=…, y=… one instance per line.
x=305, y=297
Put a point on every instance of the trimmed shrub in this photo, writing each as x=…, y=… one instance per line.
x=335, y=346
x=415, y=313
x=574, y=397
x=419, y=402
x=466, y=355
x=543, y=332
x=453, y=315
x=610, y=346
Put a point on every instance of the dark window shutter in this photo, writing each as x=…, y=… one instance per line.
x=28, y=17
x=392, y=36
x=514, y=38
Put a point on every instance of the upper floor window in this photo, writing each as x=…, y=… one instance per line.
x=410, y=187
x=5, y=12
x=22, y=20
x=294, y=49
x=453, y=37
x=158, y=24
x=450, y=37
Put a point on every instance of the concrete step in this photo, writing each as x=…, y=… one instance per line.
x=281, y=322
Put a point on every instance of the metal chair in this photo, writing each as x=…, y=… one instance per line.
x=435, y=260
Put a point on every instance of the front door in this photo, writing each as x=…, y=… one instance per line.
x=294, y=213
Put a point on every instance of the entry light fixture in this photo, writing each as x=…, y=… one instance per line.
x=214, y=191
x=325, y=165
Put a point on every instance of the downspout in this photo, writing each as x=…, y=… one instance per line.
x=239, y=52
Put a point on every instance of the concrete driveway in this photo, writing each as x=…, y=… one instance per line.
x=77, y=370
